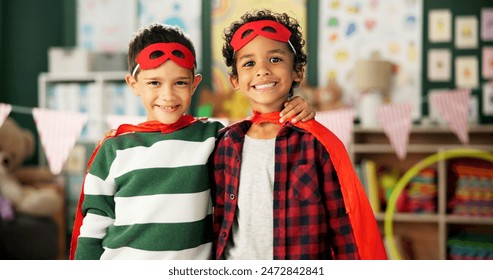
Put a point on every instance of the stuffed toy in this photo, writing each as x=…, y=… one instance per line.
x=28, y=190
x=329, y=97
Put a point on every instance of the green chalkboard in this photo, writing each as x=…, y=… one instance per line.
x=456, y=8
x=27, y=29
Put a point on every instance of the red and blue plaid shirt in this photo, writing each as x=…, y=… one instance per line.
x=310, y=219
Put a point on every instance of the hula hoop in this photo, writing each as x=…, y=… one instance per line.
x=413, y=171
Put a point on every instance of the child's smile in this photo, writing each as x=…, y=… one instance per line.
x=264, y=86
x=168, y=109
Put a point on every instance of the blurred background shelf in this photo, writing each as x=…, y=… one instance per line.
x=428, y=233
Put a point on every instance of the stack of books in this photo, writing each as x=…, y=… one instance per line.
x=474, y=191
x=422, y=192
x=469, y=246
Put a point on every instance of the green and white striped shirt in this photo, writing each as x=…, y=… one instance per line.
x=147, y=196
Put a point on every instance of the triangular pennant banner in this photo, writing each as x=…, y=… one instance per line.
x=58, y=132
x=114, y=121
x=5, y=110
x=340, y=122
x=396, y=121
x=453, y=107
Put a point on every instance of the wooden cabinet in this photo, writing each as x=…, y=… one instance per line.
x=426, y=234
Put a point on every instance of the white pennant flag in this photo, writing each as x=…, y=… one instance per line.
x=453, y=107
x=5, y=110
x=114, y=121
x=58, y=132
x=340, y=122
x=396, y=121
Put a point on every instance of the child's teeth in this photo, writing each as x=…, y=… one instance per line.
x=265, y=86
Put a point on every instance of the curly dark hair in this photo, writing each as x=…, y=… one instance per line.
x=157, y=33
x=292, y=24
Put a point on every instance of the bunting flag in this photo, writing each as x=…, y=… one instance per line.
x=58, y=132
x=340, y=122
x=5, y=110
x=453, y=107
x=114, y=121
x=396, y=121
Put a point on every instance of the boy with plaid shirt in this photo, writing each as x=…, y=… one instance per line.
x=283, y=190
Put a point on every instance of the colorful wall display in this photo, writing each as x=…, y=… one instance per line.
x=458, y=53
x=105, y=25
x=350, y=31
x=108, y=25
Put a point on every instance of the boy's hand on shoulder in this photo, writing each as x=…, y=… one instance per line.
x=110, y=133
x=299, y=106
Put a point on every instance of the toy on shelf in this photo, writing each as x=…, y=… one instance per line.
x=30, y=190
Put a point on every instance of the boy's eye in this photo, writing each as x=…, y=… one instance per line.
x=275, y=59
x=181, y=83
x=248, y=64
x=154, y=83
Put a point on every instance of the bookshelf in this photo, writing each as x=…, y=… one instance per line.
x=98, y=94
x=426, y=234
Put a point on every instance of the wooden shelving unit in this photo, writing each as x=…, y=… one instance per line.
x=99, y=80
x=427, y=233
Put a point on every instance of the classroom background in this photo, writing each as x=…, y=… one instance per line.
x=407, y=85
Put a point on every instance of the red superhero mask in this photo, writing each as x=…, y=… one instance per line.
x=145, y=61
x=265, y=28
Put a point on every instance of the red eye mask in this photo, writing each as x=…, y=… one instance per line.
x=145, y=61
x=263, y=28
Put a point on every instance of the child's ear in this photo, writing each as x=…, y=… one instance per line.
x=132, y=83
x=234, y=81
x=299, y=75
x=196, y=81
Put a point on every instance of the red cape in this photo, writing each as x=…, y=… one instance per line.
x=365, y=229
x=150, y=126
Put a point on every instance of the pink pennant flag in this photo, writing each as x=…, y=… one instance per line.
x=58, y=132
x=453, y=107
x=114, y=121
x=5, y=110
x=340, y=122
x=396, y=121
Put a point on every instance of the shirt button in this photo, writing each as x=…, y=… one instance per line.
x=232, y=196
x=223, y=234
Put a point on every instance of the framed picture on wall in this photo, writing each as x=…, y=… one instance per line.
x=487, y=24
x=439, y=64
x=466, y=32
x=439, y=26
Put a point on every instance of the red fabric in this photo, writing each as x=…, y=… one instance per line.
x=146, y=62
x=150, y=126
x=281, y=33
x=365, y=228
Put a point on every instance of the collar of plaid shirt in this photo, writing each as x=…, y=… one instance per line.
x=150, y=126
x=365, y=229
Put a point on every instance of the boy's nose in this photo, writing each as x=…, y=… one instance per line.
x=262, y=70
x=166, y=94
